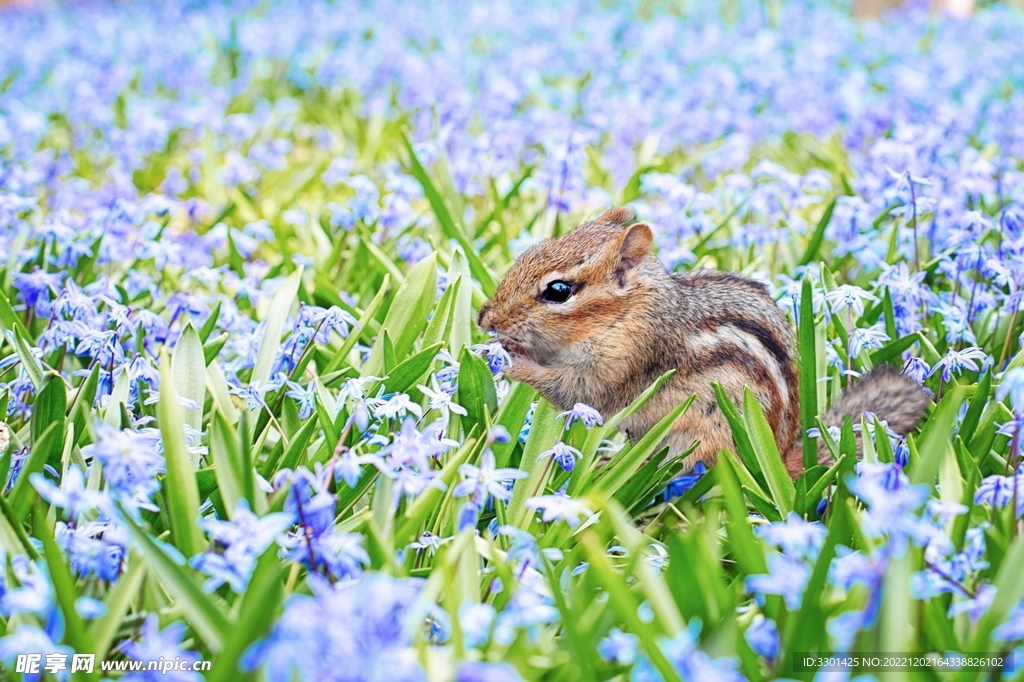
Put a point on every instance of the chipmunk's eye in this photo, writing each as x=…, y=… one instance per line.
x=557, y=292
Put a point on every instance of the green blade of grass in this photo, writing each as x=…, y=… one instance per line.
x=763, y=442
x=808, y=374
x=201, y=611
x=179, y=484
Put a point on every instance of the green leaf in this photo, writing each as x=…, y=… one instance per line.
x=893, y=349
x=81, y=408
x=462, y=311
x=296, y=446
x=512, y=415
x=444, y=219
x=545, y=430
x=745, y=548
x=584, y=470
x=364, y=320
x=819, y=234
x=476, y=390
x=976, y=407
x=50, y=408
x=625, y=465
x=808, y=373
x=30, y=362
x=9, y=319
x=212, y=349
x=816, y=490
x=225, y=451
x=118, y=399
x=407, y=316
x=889, y=313
x=740, y=437
x=280, y=306
x=262, y=601
x=101, y=632
x=763, y=441
x=217, y=385
x=188, y=365
x=406, y=374
x=179, y=484
x=63, y=585
x=201, y=611
x=210, y=324
x=440, y=324
x=937, y=436
x=24, y=492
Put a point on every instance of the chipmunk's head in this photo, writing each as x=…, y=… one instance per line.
x=567, y=298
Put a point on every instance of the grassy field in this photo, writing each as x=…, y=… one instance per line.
x=250, y=418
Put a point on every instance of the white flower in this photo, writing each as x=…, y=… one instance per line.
x=560, y=506
x=440, y=400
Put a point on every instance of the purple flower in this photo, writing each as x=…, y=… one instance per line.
x=974, y=606
x=917, y=369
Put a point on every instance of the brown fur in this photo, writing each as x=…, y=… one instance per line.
x=629, y=321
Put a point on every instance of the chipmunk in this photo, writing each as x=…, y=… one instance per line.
x=593, y=317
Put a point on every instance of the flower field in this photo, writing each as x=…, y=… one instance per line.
x=250, y=419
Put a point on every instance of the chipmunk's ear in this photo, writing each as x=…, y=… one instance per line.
x=633, y=247
x=620, y=215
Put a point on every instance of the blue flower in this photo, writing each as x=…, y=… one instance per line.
x=351, y=630
x=583, y=413
x=35, y=288
x=562, y=453
x=559, y=506
x=955, y=361
x=131, y=460
x=618, y=647
x=482, y=671
x=306, y=398
x=678, y=486
x=976, y=605
x=1013, y=628
x=786, y=577
x=1012, y=385
x=476, y=621
x=156, y=645
x=797, y=538
x=485, y=480
x=763, y=637
x=240, y=542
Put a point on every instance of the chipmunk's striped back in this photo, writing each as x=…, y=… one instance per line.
x=593, y=317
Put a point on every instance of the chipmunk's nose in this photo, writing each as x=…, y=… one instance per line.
x=485, y=318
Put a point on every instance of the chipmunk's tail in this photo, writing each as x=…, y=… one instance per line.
x=894, y=398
